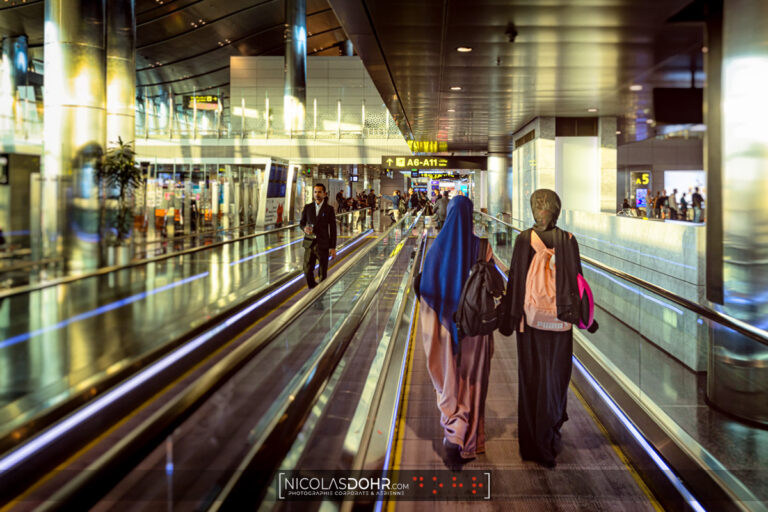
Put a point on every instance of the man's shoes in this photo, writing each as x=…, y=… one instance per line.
x=311, y=285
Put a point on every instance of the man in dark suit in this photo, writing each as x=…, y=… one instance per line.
x=318, y=220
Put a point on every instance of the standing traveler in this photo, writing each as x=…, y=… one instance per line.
x=319, y=225
x=395, y=199
x=657, y=205
x=673, y=205
x=664, y=199
x=683, y=207
x=340, y=201
x=541, y=303
x=458, y=367
x=696, y=201
x=413, y=200
x=441, y=209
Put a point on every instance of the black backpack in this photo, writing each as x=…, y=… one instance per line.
x=478, y=312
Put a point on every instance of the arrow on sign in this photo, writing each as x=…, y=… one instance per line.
x=389, y=161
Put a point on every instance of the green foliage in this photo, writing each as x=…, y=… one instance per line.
x=118, y=170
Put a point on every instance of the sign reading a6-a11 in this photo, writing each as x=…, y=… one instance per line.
x=431, y=162
x=414, y=162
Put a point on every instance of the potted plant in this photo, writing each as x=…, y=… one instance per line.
x=118, y=171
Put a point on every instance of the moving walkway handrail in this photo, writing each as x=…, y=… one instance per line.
x=750, y=331
x=104, y=473
x=378, y=392
x=115, y=268
x=275, y=440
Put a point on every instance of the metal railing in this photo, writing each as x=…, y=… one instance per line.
x=750, y=331
x=115, y=268
x=95, y=481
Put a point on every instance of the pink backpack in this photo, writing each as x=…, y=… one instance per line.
x=540, y=304
x=587, y=306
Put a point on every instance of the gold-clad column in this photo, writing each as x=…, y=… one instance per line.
x=121, y=71
x=737, y=380
x=74, y=130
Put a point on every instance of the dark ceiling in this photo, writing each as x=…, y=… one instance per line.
x=185, y=45
x=568, y=56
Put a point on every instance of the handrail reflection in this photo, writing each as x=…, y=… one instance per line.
x=115, y=268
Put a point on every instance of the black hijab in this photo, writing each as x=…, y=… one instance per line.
x=545, y=205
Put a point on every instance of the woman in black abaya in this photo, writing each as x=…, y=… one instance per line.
x=544, y=357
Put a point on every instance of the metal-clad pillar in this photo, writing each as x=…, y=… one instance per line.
x=295, y=91
x=348, y=48
x=13, y=74
x=737, y=380
x=121, y=71
x=74, y=129
x=498, y=174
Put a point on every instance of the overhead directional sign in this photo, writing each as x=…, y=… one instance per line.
x=433, y=162
x=427, y=146
x=201, y=101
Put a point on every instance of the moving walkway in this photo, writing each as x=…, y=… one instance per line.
x=68, y=342
x=337, y=382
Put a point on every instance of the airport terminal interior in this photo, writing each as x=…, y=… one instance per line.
x=174, y=173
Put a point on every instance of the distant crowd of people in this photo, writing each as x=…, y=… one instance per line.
x=355, y=202
x=664, y=206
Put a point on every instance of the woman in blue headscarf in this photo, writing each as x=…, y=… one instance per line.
x=459, y=368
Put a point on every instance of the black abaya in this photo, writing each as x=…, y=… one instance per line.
x=544, y=371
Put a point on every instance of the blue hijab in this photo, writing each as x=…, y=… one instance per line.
x=447, y=264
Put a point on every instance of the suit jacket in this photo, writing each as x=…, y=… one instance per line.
x=324, y=225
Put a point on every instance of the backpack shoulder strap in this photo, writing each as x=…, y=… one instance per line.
x=536, y=242
x=482, y=249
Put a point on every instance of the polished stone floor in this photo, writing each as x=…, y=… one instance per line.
x=57, y=340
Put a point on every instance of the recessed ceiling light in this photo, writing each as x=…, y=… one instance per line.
x=635, y=87
x=464, y=49
x=618, y=132
x=593, y=109
x=451, y=110
x=649, y=121
x=455, y=88
x=704, y=49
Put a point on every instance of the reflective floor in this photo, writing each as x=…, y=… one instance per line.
x=58, y=340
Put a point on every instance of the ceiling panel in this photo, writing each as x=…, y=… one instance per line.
x=568, y=56
x=185, y=45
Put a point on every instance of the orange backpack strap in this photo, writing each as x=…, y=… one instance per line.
x=536, y=242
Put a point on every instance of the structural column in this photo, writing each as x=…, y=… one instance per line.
x=738, y=380
x=295, y=91
x=608, y=158
x=74, y=129
x=499, y=197
x=121, y=71
x=13, y=74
